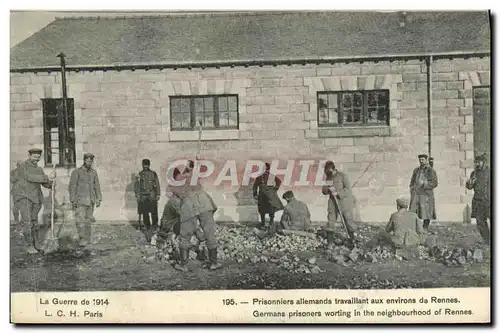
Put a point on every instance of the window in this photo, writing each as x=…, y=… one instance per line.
x=54, y=132
x=221, y=111
x=353, y=108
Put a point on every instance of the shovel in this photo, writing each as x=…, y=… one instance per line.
x=52, y=244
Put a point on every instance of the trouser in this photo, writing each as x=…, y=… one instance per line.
x=84, y=215
x=426, y=224
x=32, y=232
x=188, y=229
x=348, y=218
x=263, y=217
x=16, y=211
x=147, y=207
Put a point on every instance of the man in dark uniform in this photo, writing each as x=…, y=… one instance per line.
x=296, y=215
x=85, y=194
x=196, y=206
x=28, y=197
x=423, y=182
x=147, y=192
x=339, y=189
x=480, y=182
x=265, y=191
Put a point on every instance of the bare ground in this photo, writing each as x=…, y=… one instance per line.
x=119, y=265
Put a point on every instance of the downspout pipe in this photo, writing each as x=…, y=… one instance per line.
x=429, y=61
x=64, y=139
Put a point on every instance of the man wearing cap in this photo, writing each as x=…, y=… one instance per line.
x=28, y=196
x=147, y=192
x=265, y=190
x=196, y=205
x=479, y=181
x=403, y=229
x=339, y=188
x=423, y=182
x=296, y=215
x=85, y=194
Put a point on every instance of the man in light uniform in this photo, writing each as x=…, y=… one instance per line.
x=196, y=206
x=28, y=197
x=340, y=188
x=85, y=194
x=296, y=215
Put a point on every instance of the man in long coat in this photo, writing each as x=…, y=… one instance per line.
x=479, y=181
x=28, y=196
x=85, y=194
x=265, y=191
x=423, y=182
x=339, y=189
x=147, y=192
x=196, y=206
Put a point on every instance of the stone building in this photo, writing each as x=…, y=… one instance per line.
x=369, y=90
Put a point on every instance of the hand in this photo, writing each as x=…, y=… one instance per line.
x=52, y=175
x=256, y=197
x=420, y=183
x=198, y=157
x=157, y=198
x=97, y=203
x=74, y=205
x=333, y=190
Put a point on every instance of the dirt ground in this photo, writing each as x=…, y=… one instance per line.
x=119, y=265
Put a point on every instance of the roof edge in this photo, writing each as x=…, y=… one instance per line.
x=253, y=62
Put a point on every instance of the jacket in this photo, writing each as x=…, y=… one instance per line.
x=296, y=216
x=84, y=187
x=147, y=185
x=27, y=180
x=407, y=228
x=344, y=195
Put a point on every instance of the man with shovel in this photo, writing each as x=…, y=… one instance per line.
x=340, y=201
x=85, y=194
x=28, y=196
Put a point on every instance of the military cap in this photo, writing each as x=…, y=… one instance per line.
x=146, y=162
x=88, y=155
x=480, y=158
x=402, y=202
x=423, y=155
x=287, y=195
x=34, y=151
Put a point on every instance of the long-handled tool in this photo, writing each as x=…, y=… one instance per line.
x=200, y=132
x=342, y=219
x=52, y=244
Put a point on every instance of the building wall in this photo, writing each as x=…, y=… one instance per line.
x=123, y=117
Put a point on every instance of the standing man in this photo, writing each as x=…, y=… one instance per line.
x=147, y=192
x=480, y=182
x=85, y=194
x=13, y=182
x=423, y=182
x=28, y=196
x=265, y=191
x=296, y=215
x=340, y=189
x=196, y=205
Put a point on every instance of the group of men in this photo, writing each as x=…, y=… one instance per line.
x=27, y=180
x=190, y=209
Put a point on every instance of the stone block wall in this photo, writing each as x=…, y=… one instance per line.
x=124, y=116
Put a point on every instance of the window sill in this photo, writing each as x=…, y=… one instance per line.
x=209, y=135
x=341, y=132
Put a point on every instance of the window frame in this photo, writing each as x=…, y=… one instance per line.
x=47, y=151
x=364, y=115
x=216, y=111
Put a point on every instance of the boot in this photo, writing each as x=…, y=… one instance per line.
x=181, y=264
x=212, y=253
